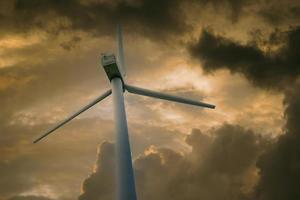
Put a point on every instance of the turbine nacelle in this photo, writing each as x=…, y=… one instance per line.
x=109, y=63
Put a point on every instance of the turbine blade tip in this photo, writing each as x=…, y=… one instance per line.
x=35, y=141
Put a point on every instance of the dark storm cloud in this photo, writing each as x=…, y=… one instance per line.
x=153, y=18
x=280, y=165
x=215, y=169
x=234, y=7
x=270, y=69
x=280, y=13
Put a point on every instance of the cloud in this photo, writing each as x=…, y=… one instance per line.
x=234, y=8
x=29, y=198
x=270, y=69
x=280, y=13
x=68, y=45
x=216, y=168
x=100, y=184
x=50, y=47
x=279, y=164
x=34, y=99
x=25, y=167
x=97, y=17
x=154, y=19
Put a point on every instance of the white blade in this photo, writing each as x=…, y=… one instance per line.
x=98, y=99
x=121, y=50
x=149, y=93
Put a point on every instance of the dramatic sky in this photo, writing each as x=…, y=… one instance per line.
x=241, y=55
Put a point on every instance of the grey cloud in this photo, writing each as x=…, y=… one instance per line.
x=235, y=8
x=279, y=164
x=158, y=20
x=280, y=13
x=101, y=184
x=98, y=17
x=215, y=169
x=271, y=70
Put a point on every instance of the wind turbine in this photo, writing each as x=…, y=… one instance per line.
x=115, y=71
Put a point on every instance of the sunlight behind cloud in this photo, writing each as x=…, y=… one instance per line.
x=41, y=190
x=183, y=75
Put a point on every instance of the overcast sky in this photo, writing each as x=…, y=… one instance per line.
x=242, y=56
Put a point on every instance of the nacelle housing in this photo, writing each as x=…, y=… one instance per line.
x=110, y=66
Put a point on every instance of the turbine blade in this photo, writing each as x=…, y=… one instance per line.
x=92, y=103
x=149, y=93
x=121, y=50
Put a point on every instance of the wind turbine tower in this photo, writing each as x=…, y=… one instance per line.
x=116, y=71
